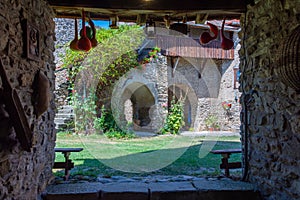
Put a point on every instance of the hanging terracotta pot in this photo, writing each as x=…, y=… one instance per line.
x=74, y=43
x=226, y=43
x=84, y=42
x=93, y=39
x=206, y=37
x=89, y=32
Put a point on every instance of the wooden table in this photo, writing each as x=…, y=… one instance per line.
x=68, y=164
x=225, y=153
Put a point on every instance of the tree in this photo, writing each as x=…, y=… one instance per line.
x=102, y=66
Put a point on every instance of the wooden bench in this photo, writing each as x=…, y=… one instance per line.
x=225, y=153
x=68, y=164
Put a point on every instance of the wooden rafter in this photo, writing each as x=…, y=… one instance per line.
x=234, y=5
x=127, y=10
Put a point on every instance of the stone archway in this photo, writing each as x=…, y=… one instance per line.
x=138, y=103
x=183, y=92
x=142, y=100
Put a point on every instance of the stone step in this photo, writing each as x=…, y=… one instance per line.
x=64, y=115
x=66, y=109
x=183, y=190
x=60, y=120
x=61, y=126
x=72, y=191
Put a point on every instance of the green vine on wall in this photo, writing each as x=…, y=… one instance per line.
x=114, y=56
x=118, y=44
x=108, y=125
x=85, y=111
x=175, y=118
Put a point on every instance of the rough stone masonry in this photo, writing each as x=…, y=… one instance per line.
x=24, y=175
x=274, y=139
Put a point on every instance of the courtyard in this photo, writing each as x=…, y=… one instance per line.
x=192, y=73
x=189, y=156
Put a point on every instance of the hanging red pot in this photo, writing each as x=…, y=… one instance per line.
x=84, y=42
x=93, y=39
x=226, y=43
x=206, y=37
x=74, y=43
x=89, y=32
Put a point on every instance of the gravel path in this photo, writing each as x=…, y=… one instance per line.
x=192, y=133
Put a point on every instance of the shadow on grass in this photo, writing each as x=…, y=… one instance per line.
x=144, y=163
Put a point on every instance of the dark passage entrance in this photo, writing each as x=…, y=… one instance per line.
x=142, y=100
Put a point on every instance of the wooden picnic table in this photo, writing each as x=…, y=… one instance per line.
x=67, y=164
x=225, y=153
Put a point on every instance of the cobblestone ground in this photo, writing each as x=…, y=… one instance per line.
x=104, y=179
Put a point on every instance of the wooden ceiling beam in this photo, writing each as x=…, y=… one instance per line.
x=171, y=5
x=127, y=10
x=132, y=18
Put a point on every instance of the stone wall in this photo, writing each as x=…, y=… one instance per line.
x=205, y=83
x=209, y=83
x=204, y=78
x=274, y=119
x=153, y=76
x=24, y=175
x=64, y=33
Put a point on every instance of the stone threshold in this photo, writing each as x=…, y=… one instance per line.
x=183, y=190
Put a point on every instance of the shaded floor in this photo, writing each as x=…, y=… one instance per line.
x=208, y=189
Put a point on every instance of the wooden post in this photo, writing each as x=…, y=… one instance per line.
x=225, y=164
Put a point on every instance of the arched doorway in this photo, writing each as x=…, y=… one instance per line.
x=142, y=101
x=181, y=93
x=138, y=101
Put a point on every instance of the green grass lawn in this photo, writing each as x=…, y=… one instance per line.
x=161, y=155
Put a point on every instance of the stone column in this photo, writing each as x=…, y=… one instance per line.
x=160, y=112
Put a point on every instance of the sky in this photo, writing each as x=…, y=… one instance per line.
x=102, y=24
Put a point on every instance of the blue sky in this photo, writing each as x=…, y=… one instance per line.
x=102, y=24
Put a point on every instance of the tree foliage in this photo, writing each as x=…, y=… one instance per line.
x=175, y=118
x=98, y=69
x=112, y=58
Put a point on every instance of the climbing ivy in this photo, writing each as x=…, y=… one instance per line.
x=107, y=124
x=175, y=118
x=85, y=111
x=112, y=58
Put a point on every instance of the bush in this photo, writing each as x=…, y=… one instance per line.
x=98, y=124
x=107, y=124
x=119, y=134
x=85, y=111
x=211, y=122
x=175, y=118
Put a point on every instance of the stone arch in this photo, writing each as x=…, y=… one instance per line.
x=130, y=90
x=201, y=74
x=142, y=100
x=136, y=103
x=183, y=91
